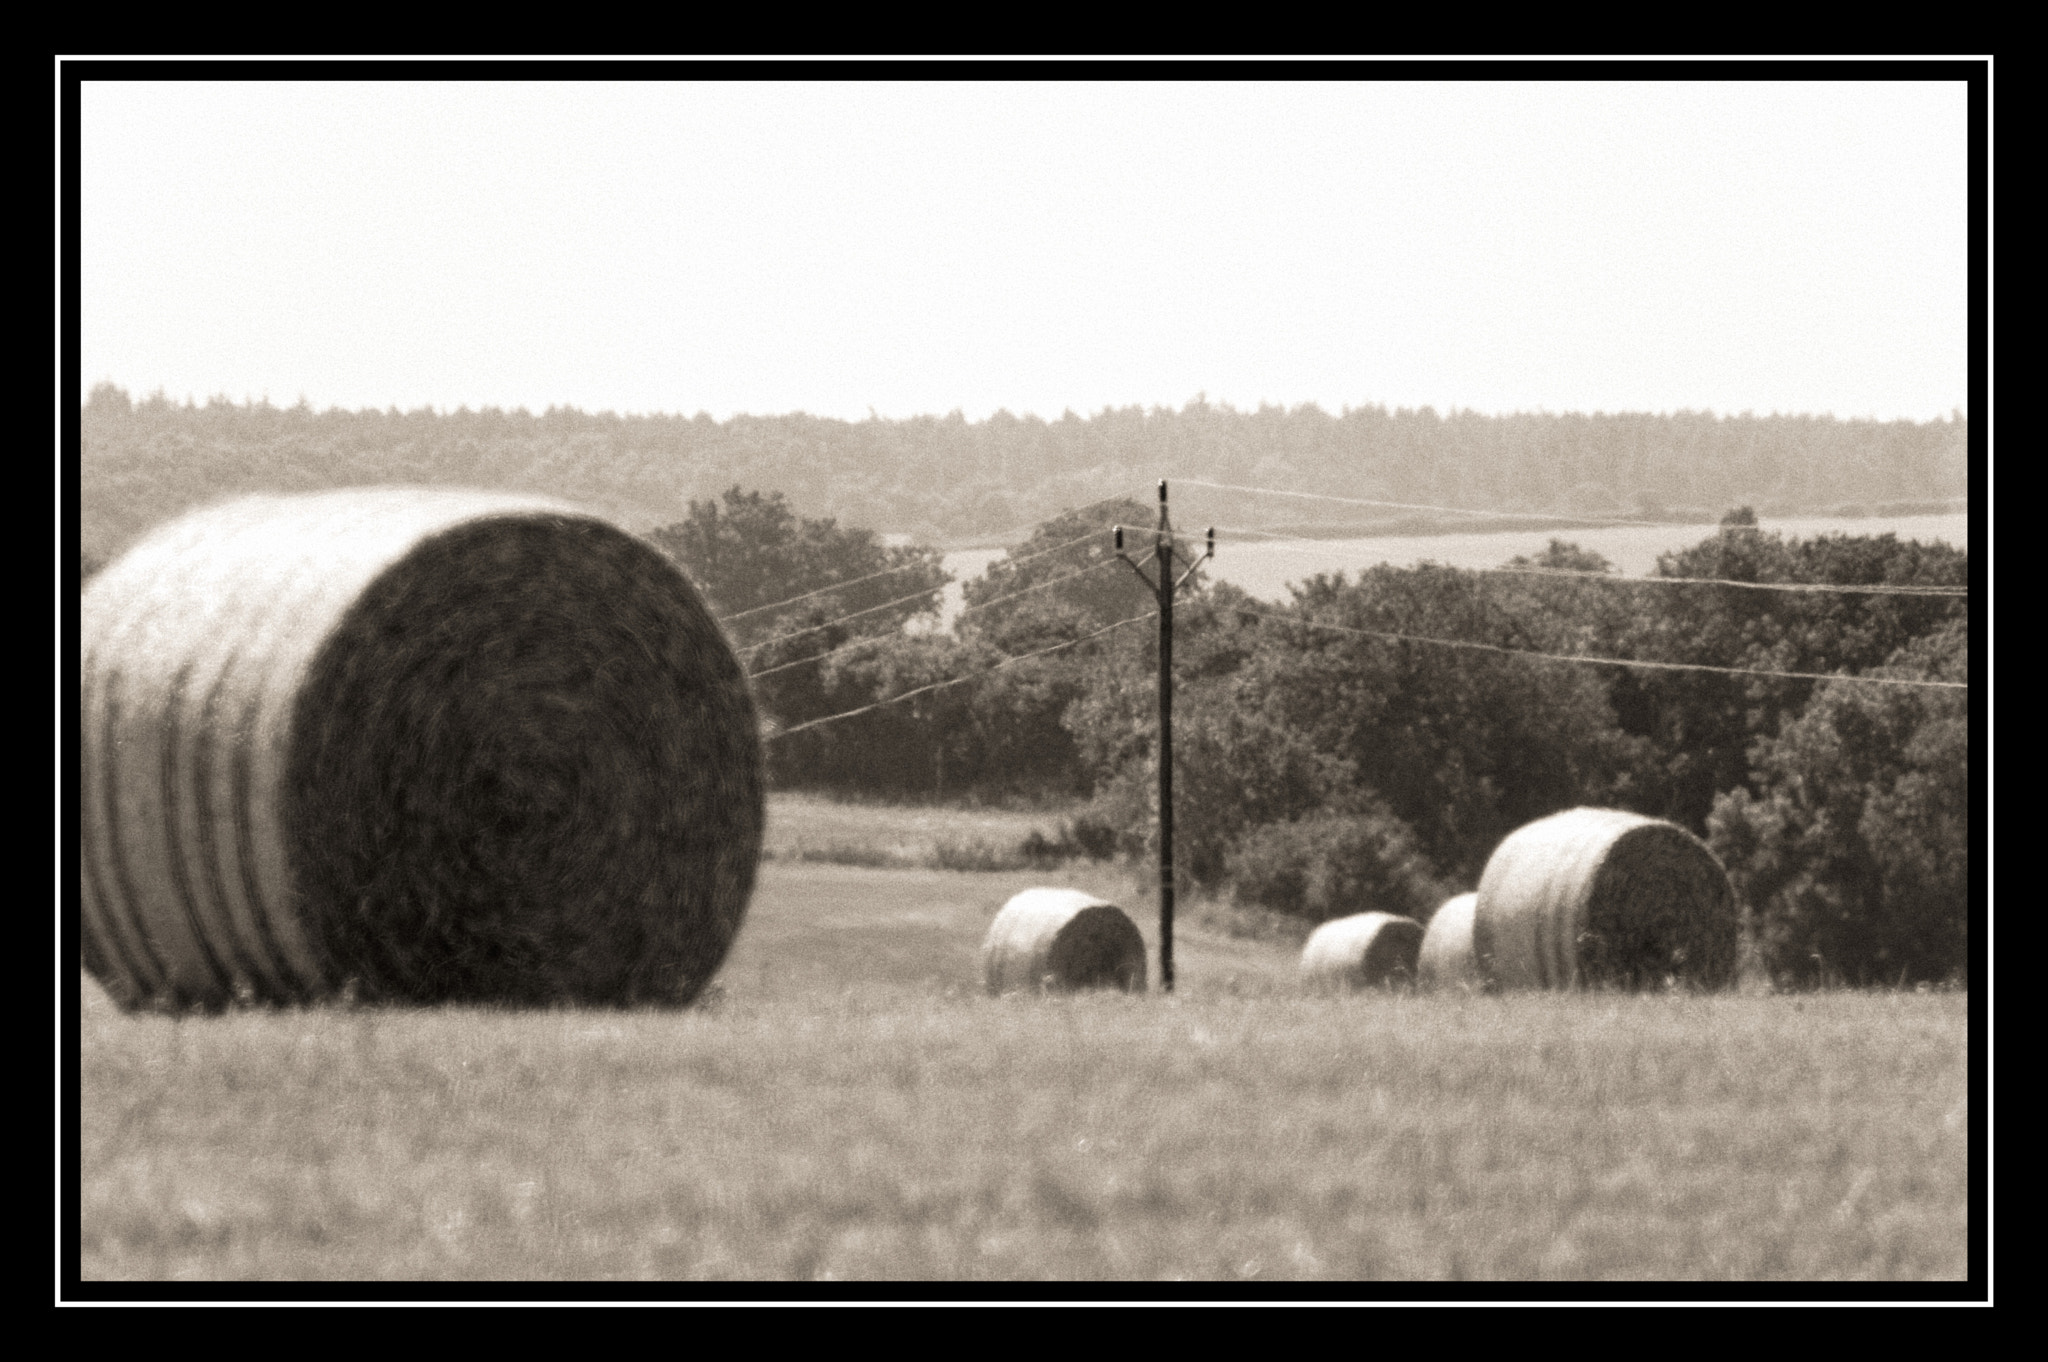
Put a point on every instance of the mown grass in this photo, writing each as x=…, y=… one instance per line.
x=851, y=1106
x=809, y=827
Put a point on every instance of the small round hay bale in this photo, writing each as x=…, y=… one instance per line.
x=1604, y=898
x=1365, y=950
x=1062, y=939
x=1447, y=959
x=419, y=745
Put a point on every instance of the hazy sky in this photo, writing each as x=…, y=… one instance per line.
x=914, y=248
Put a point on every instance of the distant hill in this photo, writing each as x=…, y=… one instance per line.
x=951, y=482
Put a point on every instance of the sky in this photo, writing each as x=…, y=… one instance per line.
x=898, y=249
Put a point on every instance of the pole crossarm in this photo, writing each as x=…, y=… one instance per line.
x=1150, y=585
x=1207, y=553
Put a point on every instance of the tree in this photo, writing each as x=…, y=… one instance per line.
x=1854, y=854
x=1053, y=591
x=792, y=592
x=1093, y=590
x=1571, y=613
x=1703, y=725
x=1464, y=745
x=916, y=746
x=753, y=552
x=1327, y=863
x=1276, y=719
x=1236, y=769
x=1561, y=555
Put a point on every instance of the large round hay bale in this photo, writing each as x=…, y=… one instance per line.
x=1604, y=898
x=1447, y=959
x=1062, y=939
x=1365, y=950
x=423, y=745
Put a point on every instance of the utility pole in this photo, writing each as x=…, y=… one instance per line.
x=1163, y=590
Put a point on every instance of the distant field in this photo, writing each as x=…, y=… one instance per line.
x=1264, y=568
x=804, y=827
x=850, y=1105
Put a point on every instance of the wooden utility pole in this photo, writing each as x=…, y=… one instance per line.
x=1163, y=590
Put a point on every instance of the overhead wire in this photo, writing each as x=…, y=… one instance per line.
x=1443, y=510
x=884, y=638
x=1603, y=661
x=1415, y=506
x=958, y=680
x=1850, y=589
x=904, y=567
x=1580, y=658
x=902, y=600
x=827, y=624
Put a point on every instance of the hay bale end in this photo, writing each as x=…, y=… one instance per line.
x=1447, y=959
x=1604, y=898
x=419, y=745
x=1060, y=940
x=1365, y=950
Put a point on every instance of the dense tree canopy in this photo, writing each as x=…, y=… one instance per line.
x=749, y=553
x=948, y=479
x=1855, y=854
x=1339, y=742
x=1704, y=725
x=1061, y=583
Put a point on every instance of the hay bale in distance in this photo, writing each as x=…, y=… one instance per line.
x=1447, y=959
x=1365, y=950
x=428, y=745
x=1604, y=898
x=1062, y=939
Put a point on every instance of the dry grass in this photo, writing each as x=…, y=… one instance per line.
x=807, y=827
x=852, y=1107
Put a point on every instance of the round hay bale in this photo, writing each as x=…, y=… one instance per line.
x=1604, y=898
x=1447, y=960
x=1365, y=950
x=419, y=745
x=1061, y=939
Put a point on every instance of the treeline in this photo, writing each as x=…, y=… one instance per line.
x=947, y=480
x=1322, y=764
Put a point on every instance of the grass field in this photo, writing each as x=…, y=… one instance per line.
x=805, y=827
x=849, y=1105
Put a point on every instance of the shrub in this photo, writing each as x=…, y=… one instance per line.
x=1332, y=864
x=1235, y=767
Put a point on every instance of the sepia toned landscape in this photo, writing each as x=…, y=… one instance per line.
x=1194, y=689
x=1810, y=1124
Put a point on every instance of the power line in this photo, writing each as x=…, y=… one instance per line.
x=1025, y=530
x=850, y=615
x=1845, y=589
x=1878, y=589
x=1442, y=510
x=904, y=567
x=883, y=638
x=900, y=600
x=1607, y=661
x=823, y=590
x=1413, y=506
x=941, y=685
